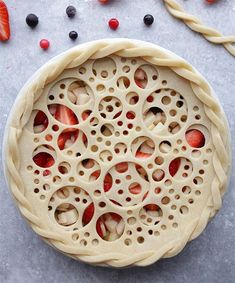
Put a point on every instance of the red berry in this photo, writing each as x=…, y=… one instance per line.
x=103, y=1
x=210, y=1
x=113, y=23
x=44, y=44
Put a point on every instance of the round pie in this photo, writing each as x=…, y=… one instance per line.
x=117, y=153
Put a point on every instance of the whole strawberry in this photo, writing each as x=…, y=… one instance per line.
x=4, y=22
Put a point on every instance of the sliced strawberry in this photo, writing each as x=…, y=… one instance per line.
x=115, y=216
x=65, y=115
x=135, y=99
x=126, y=82
x=152, y=207
x=107, y=187
x=88, y=214
x=195, y=138
x=107, y=182
x=40, y=119
x=174, y=166
x=4, y=22
x=145, y=195
x=50, y=161
x=96, y=174
x=43, y=159
x=135, y=188
x=108, y=178
x=139, y=83
x=84, y=138
x=140, y=154
x=117, y=114
x=122, y=167
x=40, y=122
x=137, y=166
x=85, y=115
x=65, y=136
x=100, y=228
x=88, y=163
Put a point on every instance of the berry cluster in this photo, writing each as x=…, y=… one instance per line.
x=32, y=21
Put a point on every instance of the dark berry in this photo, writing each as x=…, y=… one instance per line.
x=113, y=23
x=71, y=11
x=148, y=20
x=32, y=20
x=73, y=35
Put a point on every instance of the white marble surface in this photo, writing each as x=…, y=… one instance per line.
x=23, y=256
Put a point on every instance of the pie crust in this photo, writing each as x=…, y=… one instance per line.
x=126, y=181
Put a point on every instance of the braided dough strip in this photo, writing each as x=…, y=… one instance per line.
x=196, y=25
x=126, y=48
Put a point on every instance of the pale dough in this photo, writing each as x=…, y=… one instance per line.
x=117, y=125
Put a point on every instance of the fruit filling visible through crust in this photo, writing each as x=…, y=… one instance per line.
x=126, y=183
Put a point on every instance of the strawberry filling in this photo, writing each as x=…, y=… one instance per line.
x=85, y=115
x=135, y=188
x=152, y=207
x=110, y=226
x=115, y=216
x=88, y=214
x=174, y=166
x=43, y=159
x=40, y=122
x=140, y=154
x=107, y=182
x=63, y=114
x=141, y=78
x=96, y=174
x=195, y=138
x=138, y=83
x=100, y=228
x=67, y=138
x=122, y=167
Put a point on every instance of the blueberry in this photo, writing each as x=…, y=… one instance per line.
x=71, y=11
x=32, y=20
x=148, y=20
x=73, y=35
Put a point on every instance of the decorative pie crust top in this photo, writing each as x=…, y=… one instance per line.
x=117, y=153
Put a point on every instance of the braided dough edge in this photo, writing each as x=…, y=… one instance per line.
x=126, y=48
x=210, y=34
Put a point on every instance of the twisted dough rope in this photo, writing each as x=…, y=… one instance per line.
x=125, y=48
x=196, y=25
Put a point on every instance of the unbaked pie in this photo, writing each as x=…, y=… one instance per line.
x=117, y=153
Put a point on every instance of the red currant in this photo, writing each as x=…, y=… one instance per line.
x=113, y=23
x=211, y=1
x=44, y=44
x=103, y=1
